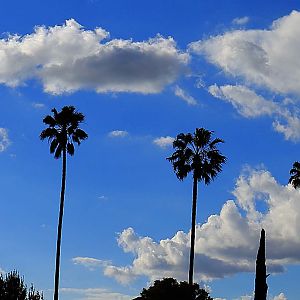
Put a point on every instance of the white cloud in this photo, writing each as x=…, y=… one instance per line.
x=94, y=294
x=164, y=141
x=241, y=21
x=246, y=101
x=118, y=133
x=247, y=297
x=67, y=58
x=179, y=92
x=281, y=296
x=89, y=262
x=251, y=105
x=227, y=242
x=268, y=58
x=290, y=128
x=4, y=139
x=260, y=58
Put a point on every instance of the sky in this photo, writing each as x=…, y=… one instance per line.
x=142, y=72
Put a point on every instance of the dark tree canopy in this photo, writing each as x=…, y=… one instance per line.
x=295, y=175
x=197, y=153
x=12, y=287
x=171, y=289
x=63, y=130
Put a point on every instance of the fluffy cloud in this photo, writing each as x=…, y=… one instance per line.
x=251, y=105
x=94, y=294
x=164, y=141
x=179, y=92
x=4, y=139
x=226, y=243
x=260, y=58
x=268, y=58
x=68, y=58
x=118, y=133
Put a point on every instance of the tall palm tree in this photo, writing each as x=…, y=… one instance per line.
x=295, y=175
x=62, y=131
x=196, y=153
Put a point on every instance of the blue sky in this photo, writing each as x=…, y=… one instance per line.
x=142, y=72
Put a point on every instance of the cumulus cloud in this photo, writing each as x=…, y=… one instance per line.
x=118, y=133
x=4, y=139
x=94, y=294
x=251, y=105
x=227, y=242
x=266, y=59
x=164, y=141
x=241, y=21
x=179, y=92
x=67, y=58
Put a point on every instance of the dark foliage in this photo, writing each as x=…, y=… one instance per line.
x=261, y=287
x=63, y=131
x=295, y=175
x=197, y=153
x=12, y=287
x=171, y=289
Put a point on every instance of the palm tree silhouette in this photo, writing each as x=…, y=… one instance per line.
x=61, y=132
x=295, y=175
x=196, y=153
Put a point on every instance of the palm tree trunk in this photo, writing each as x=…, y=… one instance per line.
x=60, y=220
x=193, y=231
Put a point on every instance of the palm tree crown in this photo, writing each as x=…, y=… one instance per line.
x=63, y=130
x=197, y=153
x=295, y=175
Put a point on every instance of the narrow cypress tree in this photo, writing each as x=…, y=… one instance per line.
x=261, y=287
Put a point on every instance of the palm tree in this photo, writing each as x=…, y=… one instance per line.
x=196, y=153
x=62, y=132
x=295, y=175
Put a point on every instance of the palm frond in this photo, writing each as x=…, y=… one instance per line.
x=70, y=148
x=82, y=135
x=48, y=133
x=49, y=120
x=63, y=129
x=197, y=153
x=53, y=145
x=58, y=151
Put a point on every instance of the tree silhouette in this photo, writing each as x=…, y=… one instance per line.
x=171, y=289
x=62, y=132
x=196, y=153
x=12, y=287
x=261, y=287
x=295, y=175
